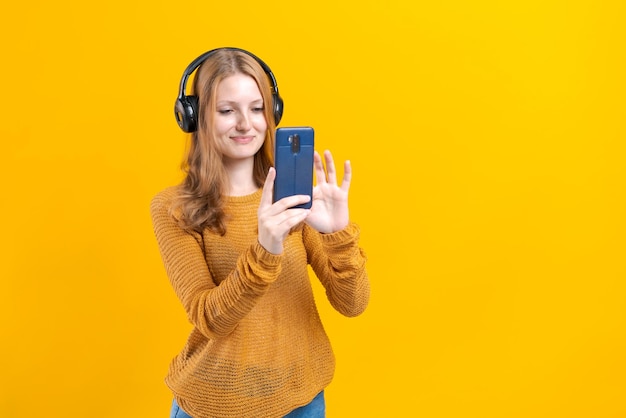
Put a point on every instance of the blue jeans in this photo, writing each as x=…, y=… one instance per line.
x=314, y=409
x=176, y=412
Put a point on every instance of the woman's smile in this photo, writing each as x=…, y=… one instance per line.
x=243, y=139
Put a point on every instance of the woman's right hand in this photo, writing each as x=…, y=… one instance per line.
x=277, y=219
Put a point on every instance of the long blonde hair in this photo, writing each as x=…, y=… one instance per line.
x=200, y=201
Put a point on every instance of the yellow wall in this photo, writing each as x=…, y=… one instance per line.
x=487, y=140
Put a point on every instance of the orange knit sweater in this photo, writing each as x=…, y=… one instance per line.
x=258, y=347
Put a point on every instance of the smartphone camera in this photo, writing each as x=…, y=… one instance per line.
x=294, y=140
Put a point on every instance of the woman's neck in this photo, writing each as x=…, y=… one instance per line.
x=240, y=178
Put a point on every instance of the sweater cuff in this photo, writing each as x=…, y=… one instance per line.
x=343, y=248
x=264, y=265
x=348, y=235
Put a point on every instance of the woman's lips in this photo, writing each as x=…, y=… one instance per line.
x=242, y=139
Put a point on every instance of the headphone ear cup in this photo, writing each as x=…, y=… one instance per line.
x=278, y=108
x=186, y=113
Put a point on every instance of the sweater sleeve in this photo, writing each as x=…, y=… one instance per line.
x=339, y=263
x=215, y=310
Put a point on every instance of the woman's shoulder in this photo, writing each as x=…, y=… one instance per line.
x=165, y=197
x=167, y=194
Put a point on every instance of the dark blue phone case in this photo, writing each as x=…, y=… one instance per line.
x=293, y=160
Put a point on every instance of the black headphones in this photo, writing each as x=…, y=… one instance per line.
x=186, y=107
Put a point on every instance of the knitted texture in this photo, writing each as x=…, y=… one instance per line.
x=257, y=347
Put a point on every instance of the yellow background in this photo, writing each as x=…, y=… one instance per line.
x=487, y=141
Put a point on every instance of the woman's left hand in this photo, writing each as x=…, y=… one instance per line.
x=329, y=212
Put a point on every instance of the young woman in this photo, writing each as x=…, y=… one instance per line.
x=238, y=262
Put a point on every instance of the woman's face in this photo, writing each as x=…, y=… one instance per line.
x=239, y=122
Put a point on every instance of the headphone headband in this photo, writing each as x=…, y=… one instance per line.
x=186, y=107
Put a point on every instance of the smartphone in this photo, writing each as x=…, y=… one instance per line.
x=293, y=160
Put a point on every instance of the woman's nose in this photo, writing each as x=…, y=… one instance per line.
x=243, y=122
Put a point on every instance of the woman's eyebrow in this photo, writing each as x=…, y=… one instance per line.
x=220, y=102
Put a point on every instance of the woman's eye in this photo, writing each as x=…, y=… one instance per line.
x=257, y=109
x=224, y=111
